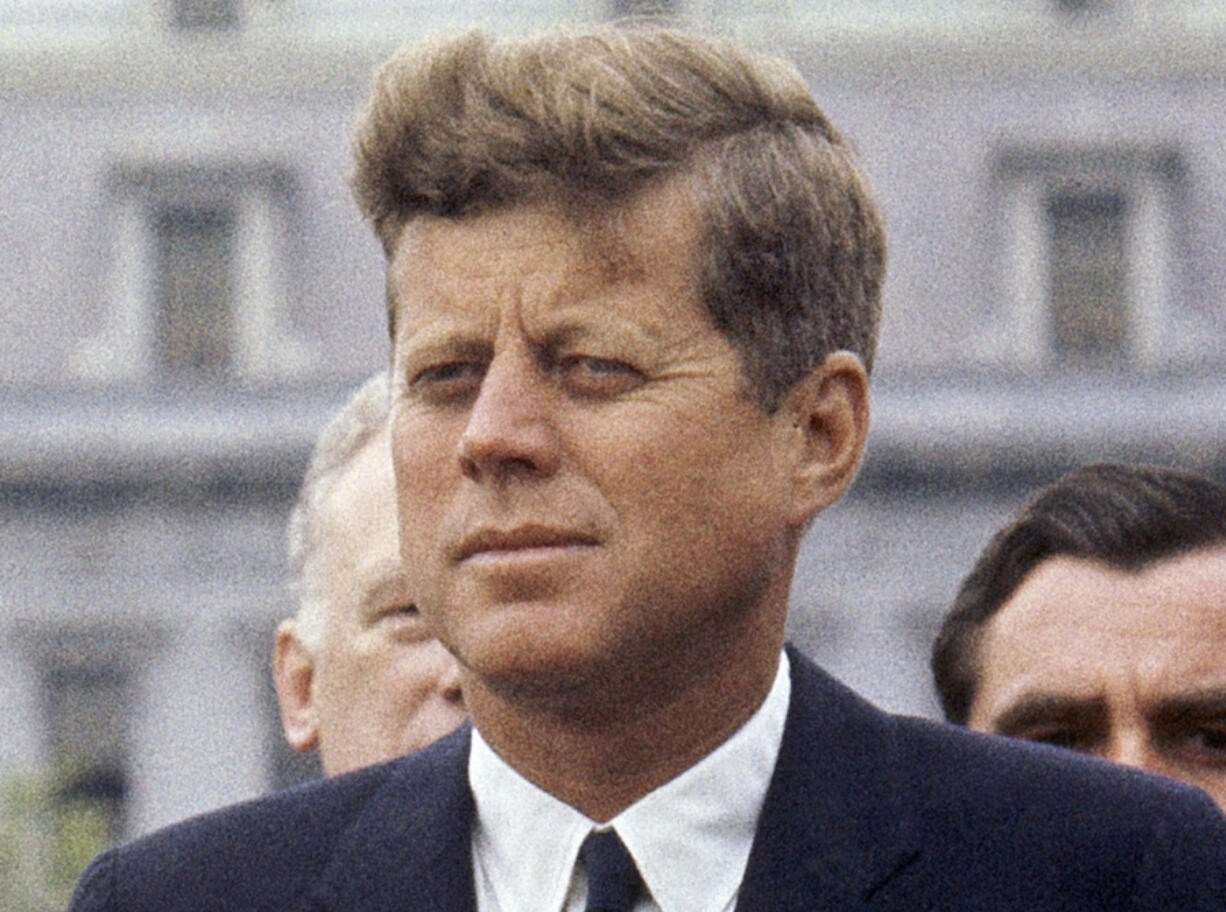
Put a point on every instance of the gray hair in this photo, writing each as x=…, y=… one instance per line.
x=342, y=439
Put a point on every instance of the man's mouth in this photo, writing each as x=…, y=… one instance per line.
x=520, y=540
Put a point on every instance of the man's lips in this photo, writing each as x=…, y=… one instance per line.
x=521, y=539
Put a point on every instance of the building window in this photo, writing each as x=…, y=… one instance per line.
x=1081, y=6
x=198, y=286
x=1091, y=10
x=194, y=296
x=204, y=14
x=87, y=711
x=1087, y=288
x=631, y=8
x=1088, y=270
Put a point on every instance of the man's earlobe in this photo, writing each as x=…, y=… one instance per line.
x=293, y=672
x=829, y=413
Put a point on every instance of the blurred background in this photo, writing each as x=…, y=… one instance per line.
x=187, y=293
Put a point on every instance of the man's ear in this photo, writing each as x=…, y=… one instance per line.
x=828, y=409
x=293, y=673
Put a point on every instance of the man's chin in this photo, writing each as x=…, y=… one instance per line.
x=543, y=671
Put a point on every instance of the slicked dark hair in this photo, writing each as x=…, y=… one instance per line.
x=1126, y=516
x=793, y=255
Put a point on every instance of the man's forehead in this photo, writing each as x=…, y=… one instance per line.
x=1078, y=631
x=613, y=242
x=534, y=256
x=530, y=234
x=1078, y=597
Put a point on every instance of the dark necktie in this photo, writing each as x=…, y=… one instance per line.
x=613, y=882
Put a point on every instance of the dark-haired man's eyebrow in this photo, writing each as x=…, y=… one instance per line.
x=1033, y=712
x=1209, y=703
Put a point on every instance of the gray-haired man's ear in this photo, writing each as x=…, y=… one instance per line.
x=293, y=672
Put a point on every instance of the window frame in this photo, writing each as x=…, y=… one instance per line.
x=1023, y=179
x=261, y=194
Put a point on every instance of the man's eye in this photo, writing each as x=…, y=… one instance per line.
x=399, y=613
x=450, y=380
x=592, y=376
x=1060, y=739
x=1214, y=738
x=405, y=624
x=1206, y=742
x=1067, y=738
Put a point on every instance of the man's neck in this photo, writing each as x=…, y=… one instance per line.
x=601, y=755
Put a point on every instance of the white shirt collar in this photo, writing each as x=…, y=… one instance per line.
x=690, y=838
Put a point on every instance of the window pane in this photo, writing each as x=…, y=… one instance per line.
x=1081, y=6
x=623, y=8
x=195, y=319
x=206, y=14
x=1089, y=319
x=88, y=713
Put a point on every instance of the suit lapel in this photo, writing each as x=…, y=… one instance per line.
x=837, y=822
x=409, y=850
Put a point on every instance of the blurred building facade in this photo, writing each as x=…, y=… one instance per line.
x=188, y=293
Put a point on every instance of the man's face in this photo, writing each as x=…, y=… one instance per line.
x=1128, y=666
x=586, y=489
x=379, y=685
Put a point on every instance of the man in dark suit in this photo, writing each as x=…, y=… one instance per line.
x=633, y=285
x=358, y=675
x=1095, y=620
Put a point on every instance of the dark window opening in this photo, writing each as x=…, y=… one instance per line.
x=640, y=8
x=1088, y=290
x=1081, y=7
x=194, y=324
x=204, y=14
x=88, y=712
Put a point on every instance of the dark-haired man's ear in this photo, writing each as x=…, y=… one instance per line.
x=829, y=414
x=293, y=672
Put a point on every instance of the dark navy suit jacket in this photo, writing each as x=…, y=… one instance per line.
x=865, y=811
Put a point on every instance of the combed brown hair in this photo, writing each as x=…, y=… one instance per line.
x=1126, y=516
x=794, y=252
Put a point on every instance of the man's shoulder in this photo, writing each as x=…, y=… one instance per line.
x=948, y=765
x=972, y=815
x=267, y=853
x=987, y=775
x=1047, y=815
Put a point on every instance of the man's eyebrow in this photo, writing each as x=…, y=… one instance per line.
x=1198, y=703
x=1039, y=708
x=445, y=341
x=575, y=328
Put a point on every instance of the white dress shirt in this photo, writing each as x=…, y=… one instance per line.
x=690, y=838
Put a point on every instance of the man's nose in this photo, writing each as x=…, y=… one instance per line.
x=1136, y=749
x=509, y=431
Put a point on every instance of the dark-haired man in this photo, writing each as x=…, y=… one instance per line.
x=634, y=284
x=1096, y=620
